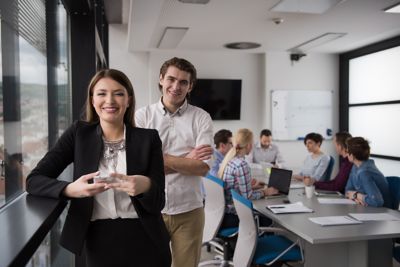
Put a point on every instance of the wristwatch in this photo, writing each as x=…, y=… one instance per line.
x=354, y=197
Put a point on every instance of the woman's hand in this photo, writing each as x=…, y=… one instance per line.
x=269, y=191
x=133, y=185
x=256, y=184
x=81, y=188
x=298, y=177
x=308, y=181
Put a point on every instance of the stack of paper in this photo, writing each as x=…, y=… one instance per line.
x=289, y=208
x=374, y=216
x=336, y=201
x=334, y=220
x=325, y=193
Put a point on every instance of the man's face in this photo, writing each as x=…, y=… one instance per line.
x=224, y=148
x=265, y=141
x=175, y=86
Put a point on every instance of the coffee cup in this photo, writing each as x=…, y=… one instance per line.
x=309, y=191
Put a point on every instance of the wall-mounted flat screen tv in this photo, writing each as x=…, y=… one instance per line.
x=219, y=97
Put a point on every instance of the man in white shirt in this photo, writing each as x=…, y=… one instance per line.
x=266, y=151
x=187, y=134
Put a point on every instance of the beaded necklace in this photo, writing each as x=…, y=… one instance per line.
x=111, y=151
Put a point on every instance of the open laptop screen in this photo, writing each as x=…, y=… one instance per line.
x=280, y=179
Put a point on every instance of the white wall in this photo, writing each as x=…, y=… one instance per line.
x=260, y=73
x=312, y=72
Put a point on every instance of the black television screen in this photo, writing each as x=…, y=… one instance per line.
x=219, y=97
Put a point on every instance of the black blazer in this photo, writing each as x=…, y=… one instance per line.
x=82, y=145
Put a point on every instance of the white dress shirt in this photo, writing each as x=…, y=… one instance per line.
x=180, y=132
x=112, y=204
x=270, y=154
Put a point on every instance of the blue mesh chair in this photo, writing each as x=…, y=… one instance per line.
x=394, y=188
x=214, y=210
x=263, y=250
x=329, y=169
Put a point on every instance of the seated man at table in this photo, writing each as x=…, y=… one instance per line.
x=367, y=185
x=340, y=181
x=236, y=173
x=265, y=151
x=223, y=143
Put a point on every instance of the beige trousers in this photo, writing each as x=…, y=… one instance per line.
x=186, y=232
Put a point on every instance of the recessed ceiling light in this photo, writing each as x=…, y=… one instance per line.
x=317, y=41
x=171, y=37
x=305, y=6
x=195, y=1
x=242, y=45
x=393, y=9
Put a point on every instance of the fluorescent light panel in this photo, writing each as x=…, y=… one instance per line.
x=305, y=6
x=393, y=9
x=317, y=41
x=195, y=1
x=171, y=37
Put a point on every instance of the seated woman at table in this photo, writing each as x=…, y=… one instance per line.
x=367, y=185
x=316, y=162
x=339, y=182
x=236, y=173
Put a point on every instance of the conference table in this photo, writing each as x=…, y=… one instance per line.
x=366, y=244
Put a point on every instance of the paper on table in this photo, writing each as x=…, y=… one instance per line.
x=374, y=216
x=336, y=201
x=289, y=208
x=296, y=184
x=334, y=220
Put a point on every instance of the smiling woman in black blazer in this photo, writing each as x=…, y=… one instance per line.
x=117, y=192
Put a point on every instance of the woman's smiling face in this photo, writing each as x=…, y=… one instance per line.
x=110, y=100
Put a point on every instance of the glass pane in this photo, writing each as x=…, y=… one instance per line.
x=388, y=167
x=374, y=77
x=2, y=180
x=34, y=116
x=380, y=125
x=64, y=92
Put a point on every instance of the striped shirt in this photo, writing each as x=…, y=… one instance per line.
x=237, y=176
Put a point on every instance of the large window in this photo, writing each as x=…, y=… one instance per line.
x=370, y=100
x=25, y=90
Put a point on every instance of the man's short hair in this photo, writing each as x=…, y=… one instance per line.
x=341, y=138
x=359, y=148
x=316, y=137
x=181, y=64
x=222, y=136
x=265, y=132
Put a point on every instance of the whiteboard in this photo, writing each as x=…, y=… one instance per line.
x=299, y=112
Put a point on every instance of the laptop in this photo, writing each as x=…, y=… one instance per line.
x=280, y=179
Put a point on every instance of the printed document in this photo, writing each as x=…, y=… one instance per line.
x=289, y=208
x=334, y=220
x=374, y=216
x=336, y=201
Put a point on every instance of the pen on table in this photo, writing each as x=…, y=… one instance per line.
x=277, y=207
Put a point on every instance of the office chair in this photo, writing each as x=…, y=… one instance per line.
x=394, y=189
x=214, y=210
x=263, y=250
x=329, y=169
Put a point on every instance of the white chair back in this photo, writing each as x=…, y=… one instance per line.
x=247, y=237
x=214, y=207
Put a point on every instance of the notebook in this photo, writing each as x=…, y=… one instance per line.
x=280, y=179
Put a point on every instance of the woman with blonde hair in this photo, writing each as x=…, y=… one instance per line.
x=236, y=173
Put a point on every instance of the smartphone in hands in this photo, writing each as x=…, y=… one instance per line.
x=104, y=179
